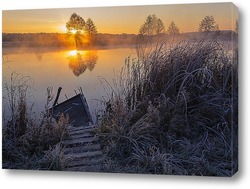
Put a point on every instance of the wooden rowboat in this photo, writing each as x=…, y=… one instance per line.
x=76, y=108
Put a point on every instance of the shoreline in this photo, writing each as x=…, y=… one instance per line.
x=26, y=49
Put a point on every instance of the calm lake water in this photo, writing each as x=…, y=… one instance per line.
x=69, y=69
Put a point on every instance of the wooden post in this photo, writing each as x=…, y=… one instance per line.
x=57, y=95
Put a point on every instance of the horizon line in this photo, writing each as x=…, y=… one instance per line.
x=228, y=30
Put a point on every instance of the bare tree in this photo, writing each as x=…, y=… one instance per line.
x=208, y=24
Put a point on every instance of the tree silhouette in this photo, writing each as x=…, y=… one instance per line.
x=159, y=28
x=75, y=26
x=90, y=29
x=80, y=62
x=152, y=26
x=208, y=24
x=77, y=64
x=173, y=29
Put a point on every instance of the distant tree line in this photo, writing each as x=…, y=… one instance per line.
x=64, y=40
x=59, y=40
x=154, y=26
x=84, y=34
x=37, y=39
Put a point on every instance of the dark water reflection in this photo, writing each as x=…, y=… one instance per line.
x=80, y=61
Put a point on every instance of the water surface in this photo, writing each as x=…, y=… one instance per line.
x=69, y=69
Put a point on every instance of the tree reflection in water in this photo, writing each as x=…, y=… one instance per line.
x=80, y=61
x=39, y=56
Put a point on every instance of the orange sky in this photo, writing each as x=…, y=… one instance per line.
x=126, y=19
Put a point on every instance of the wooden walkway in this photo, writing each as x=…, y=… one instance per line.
x=82, y=150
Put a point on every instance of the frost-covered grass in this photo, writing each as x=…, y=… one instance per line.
x=173, y=110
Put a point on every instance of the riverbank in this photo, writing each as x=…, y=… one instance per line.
x=175, y=112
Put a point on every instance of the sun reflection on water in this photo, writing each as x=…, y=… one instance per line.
x=72, y=53
x=80, y=61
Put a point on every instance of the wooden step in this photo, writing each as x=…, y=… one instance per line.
x=80, y=141
x=84, y=162
x=82, y=150
x=81, y=132
x=79, y=149
x=77, y=136
x=80, y=128
x=83, y=155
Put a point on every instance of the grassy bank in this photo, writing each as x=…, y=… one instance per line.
x=29, y=143
x=173, y=110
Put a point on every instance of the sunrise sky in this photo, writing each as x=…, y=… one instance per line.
x=119, y=19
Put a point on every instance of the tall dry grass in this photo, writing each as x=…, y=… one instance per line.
x=173, y=110
x=28, y=143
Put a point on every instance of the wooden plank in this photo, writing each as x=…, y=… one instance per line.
x=83, y=155
x=92, y=147
x=85, y=104
x=75, y=127
x=81, y=128
x=81, y=135
x=80, y=141
x=71, y=128
x=84, y=162
x=81, y=131
x=82, y=152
